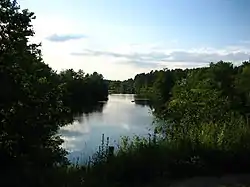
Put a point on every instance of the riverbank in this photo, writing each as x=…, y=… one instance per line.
x=149, y=163
x=143, y=161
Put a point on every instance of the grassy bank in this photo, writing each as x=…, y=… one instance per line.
x=208, y=150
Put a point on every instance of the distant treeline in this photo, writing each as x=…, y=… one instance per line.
x=158, y=85
x=147, y=84
x=121, y=87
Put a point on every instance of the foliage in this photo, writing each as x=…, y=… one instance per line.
x=34, y=103
x=209, y=149
x=124, y=87
x=31, y=104
x=82, y=91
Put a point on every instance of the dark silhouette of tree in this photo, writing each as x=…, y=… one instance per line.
x=34, y=102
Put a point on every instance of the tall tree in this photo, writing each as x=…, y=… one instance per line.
x=31, y=107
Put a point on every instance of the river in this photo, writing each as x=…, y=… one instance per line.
x=119, y=116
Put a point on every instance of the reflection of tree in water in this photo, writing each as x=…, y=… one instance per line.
x=144, y=103
x=86, y=110
x=98, y=107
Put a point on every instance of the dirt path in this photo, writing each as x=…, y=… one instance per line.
x=225, y=181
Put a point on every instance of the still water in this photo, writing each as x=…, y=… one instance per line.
x=115, y=118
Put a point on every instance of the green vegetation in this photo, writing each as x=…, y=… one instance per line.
x=121, y=87
x=35, y=102
x=202, y=125
x=82, y=91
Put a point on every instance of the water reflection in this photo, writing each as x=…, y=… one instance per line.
x=97, y=107
x=144, y=103
x=118, y=117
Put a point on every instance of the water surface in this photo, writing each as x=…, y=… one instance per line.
x=118, y=117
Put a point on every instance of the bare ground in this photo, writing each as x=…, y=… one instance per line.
x=242, y=180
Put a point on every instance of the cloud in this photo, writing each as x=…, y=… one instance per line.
x=64, y=37
x=131, y=56
x=175, y=58
x=184, y=56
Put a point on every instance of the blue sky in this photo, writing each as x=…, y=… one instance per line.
x=120, y=38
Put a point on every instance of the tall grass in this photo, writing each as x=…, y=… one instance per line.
x=204, y=149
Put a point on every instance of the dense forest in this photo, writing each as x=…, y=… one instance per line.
x=201, y=118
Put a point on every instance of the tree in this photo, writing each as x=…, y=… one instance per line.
x=31, y=107
x=82, y=91
x=243, y=88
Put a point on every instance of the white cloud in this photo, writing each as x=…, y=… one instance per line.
x=65, y=37
x=172, y=58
